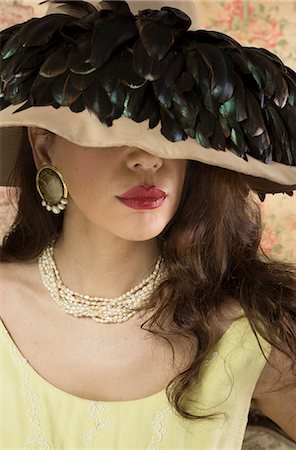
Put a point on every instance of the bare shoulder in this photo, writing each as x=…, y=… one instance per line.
x=14, y=272
x=16, y=278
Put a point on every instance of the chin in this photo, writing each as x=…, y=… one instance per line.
x=143, y=235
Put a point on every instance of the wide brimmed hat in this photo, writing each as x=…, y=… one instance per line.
x=107, y=74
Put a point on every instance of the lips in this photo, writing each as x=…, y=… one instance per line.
x=142, y=202
x=144, y=193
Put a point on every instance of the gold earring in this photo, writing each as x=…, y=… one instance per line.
x=51, y=188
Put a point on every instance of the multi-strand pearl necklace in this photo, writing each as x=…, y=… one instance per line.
x=99, y=309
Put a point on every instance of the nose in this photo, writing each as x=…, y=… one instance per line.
x=139, y=159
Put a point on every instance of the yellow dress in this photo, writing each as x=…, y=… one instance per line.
x=37, y=415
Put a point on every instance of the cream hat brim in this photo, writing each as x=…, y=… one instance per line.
x=86, y=130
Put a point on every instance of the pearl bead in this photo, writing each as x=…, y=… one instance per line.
x=55, y=209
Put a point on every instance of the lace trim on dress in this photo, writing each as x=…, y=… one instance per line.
x=158, y=426
x=34, y=412
x=95, y=409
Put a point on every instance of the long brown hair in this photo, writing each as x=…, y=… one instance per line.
x=212, y=251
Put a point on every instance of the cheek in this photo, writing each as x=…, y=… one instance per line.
x=90, y=191
x=83, y=172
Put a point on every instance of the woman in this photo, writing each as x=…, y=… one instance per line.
x=183, y=319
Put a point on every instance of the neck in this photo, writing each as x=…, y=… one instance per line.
x=98, y=264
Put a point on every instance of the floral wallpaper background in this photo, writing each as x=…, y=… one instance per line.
x=259, y=23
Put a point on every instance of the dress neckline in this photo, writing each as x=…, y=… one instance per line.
x=158, y=396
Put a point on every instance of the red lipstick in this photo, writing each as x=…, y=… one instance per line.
x=141, y=197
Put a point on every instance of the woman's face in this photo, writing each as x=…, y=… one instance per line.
x=96, y=177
